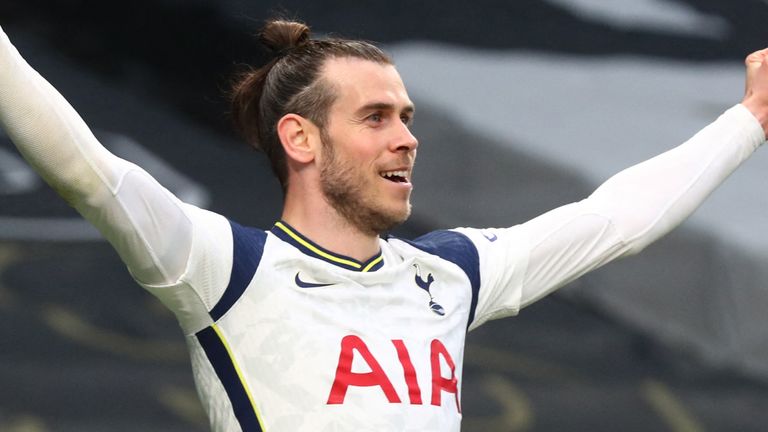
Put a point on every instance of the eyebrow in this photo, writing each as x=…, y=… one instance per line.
x=385, y=106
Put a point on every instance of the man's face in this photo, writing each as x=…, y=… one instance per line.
x=368, y=149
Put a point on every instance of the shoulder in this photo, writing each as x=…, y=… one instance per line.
x=247, y=247
x=247, y=251
x=450, y=245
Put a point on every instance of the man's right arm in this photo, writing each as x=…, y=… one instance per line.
x=145, y=223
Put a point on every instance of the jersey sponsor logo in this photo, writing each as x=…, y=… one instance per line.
x=489, y=235
x=304, y=284
x=425, y=285
x=353, y=348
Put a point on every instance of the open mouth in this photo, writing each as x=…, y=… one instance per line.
x=395, y=176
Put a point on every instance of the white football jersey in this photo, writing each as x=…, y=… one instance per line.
x=300, y=338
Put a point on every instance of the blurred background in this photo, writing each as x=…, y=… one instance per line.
x=522, y=106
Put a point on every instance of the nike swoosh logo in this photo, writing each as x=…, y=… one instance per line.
x=303, y=284
x=491, y=238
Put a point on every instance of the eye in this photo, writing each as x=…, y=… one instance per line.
x=376, y=117
x=407, y=119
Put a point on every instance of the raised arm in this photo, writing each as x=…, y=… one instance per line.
x=143, y=221
x=644, y=202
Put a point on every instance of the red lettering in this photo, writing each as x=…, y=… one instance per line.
x=409, y=372
x=439, y=383
x=345, y=377
x=377, y=377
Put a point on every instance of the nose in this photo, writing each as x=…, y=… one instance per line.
x=405, y=140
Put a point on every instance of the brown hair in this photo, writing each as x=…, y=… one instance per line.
x=290, y=83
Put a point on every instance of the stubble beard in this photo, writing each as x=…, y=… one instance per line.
x=345, y=190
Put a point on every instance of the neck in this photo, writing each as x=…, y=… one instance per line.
x=325, y=226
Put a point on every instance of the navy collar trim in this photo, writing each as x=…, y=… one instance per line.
x=289, y=235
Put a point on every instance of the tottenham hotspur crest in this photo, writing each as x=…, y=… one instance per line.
x=425, y=284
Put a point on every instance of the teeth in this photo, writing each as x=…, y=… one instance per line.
x=394, y=174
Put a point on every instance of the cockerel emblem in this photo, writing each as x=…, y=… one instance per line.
x=425, y=285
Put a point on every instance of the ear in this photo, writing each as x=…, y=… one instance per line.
x=296, y=135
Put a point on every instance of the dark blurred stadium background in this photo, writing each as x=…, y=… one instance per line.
x=523, y=106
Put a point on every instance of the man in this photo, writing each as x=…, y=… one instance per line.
x=319, y=323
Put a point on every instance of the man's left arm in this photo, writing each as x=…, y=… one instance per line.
x=626, y=213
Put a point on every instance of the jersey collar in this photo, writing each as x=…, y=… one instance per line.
x=289, y=235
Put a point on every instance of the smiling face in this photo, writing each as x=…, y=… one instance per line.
x=368, y=149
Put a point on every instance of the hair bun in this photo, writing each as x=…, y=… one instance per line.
x=282, y=35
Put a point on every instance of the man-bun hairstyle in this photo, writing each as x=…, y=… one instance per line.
x=290, y=83
x=279, y=36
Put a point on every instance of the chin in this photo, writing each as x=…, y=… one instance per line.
x=400, y=213
x=406, y=213
x=369, y=215
x=399, y=217
x=382, y=221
